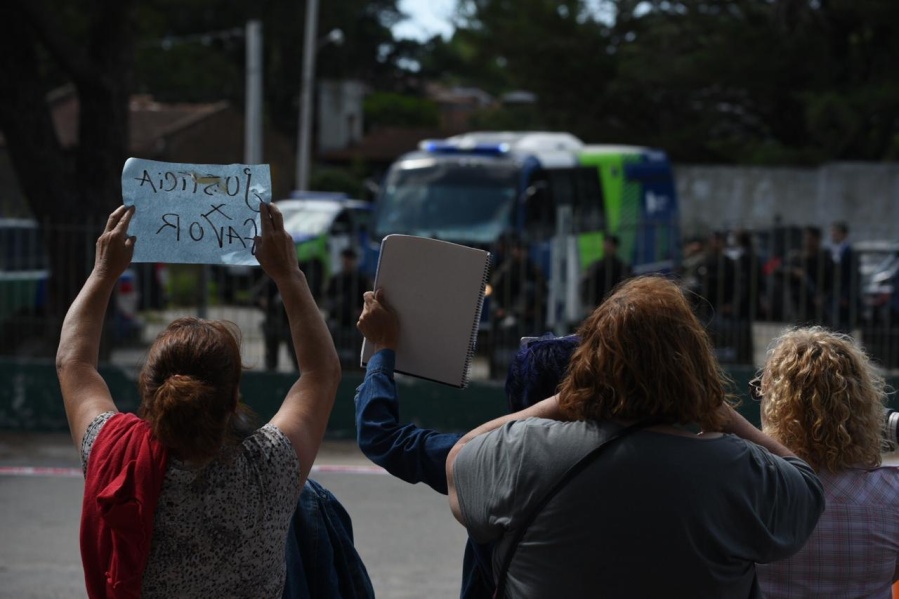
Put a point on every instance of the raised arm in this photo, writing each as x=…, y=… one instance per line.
x=84, y=392
x=304, y=414
x=407, y=452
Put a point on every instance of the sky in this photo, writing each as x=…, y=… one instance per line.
x=429, y=17
x=426, y=18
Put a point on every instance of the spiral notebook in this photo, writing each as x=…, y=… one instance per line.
x=437, y=290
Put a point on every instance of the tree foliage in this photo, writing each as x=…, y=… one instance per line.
x=399, y=110
x=753, y=81
x=194, y=49
x=184, y=50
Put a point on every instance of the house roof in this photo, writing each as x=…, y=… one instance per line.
x=458, y=95
x=150, y=121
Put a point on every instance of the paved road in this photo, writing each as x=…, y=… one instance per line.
x=405, y=533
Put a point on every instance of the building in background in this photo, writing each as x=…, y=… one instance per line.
x=199, y=133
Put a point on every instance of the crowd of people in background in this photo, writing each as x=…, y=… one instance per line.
x=796, y=278
x=733, y=278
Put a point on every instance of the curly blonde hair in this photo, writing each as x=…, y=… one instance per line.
x=644, y=355
x=822, y=398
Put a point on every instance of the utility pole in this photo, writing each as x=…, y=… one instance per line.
x=304, y=133
x=252, y=149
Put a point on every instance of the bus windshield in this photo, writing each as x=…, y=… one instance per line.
x=461, y=201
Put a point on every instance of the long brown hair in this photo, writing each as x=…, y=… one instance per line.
x=645, y=355
x=189, y=386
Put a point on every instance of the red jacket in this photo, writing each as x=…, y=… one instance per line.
x=125, y=471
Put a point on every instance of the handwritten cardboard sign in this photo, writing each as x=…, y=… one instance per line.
x=195, y=213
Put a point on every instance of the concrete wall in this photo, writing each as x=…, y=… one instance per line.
x=721, y=197
x=30, y=399
x=340, y=114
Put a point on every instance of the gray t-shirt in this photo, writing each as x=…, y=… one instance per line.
x=220, y=530
x=655, y=515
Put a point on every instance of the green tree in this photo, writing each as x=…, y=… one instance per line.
x=399, y=110
x=755, y=81
x=557, y=50
x=705, y=80
x=194, y=50
x=189, y=49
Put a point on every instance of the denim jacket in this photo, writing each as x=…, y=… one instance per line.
x=414, y=455
x=322, y=562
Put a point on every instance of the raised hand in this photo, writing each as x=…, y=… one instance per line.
x=378, y=323
x=274, y=246
x=115, y=247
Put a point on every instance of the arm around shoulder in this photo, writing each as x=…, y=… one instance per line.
x=548, y=408
x=737, y=425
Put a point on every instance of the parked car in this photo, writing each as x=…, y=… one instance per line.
x=879, y=277
x=322, y=226
x=23, y=268
x=24, y=272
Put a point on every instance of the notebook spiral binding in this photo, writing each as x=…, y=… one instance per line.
x=473, y=340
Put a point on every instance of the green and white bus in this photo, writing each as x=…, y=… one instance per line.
x=559, y=194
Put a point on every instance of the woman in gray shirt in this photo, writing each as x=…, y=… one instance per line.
x=663, y=511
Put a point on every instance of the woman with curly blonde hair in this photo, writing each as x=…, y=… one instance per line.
x=822, y=398
x=701, y=509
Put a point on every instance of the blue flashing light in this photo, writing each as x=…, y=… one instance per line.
x=439, y=146
x=483, y=149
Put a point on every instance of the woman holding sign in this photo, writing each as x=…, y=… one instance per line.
x=178, y=502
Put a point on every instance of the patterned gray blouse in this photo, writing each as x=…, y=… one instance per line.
x=220, y=529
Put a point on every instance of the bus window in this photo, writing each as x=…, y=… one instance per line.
x=580, y=188
x=461, y=201
x=540, y=210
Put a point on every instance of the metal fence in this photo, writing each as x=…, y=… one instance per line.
x=746, y=286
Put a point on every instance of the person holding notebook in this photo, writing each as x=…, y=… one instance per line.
x=624, y=498
x=417, y=455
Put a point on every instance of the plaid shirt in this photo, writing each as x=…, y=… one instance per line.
x=854, y=551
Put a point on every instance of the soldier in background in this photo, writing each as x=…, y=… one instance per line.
x=810, y=275
x=342, y=300
x=603, y=274
x=846, y=281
